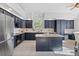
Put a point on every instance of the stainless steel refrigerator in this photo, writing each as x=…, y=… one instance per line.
x=6, y=35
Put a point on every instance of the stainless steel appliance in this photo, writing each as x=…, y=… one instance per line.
x=6, y=35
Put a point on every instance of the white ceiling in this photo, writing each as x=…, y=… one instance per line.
x=50, y=10
x=44, y=7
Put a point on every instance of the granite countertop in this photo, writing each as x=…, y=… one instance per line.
x=76, y=32
x=69, y=31
x=19, y=31
x=48, y=35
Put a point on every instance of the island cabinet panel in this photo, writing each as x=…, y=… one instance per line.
x=55, y=44
x=41, y=44
x=49, y=43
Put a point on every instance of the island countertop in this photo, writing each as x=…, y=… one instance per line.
x=48, y=35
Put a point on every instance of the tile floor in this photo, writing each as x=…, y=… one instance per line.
x=28, y=48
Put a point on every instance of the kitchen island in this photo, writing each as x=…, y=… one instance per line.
x=49, y=42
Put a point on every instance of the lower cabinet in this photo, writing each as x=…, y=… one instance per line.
x=26, y=36
x=71, y=36
x=29, y=36
x=18, y=39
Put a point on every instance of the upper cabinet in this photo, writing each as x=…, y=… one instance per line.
x=19, y=23
x=28, y=23
x=61, y=25
x=49, y=23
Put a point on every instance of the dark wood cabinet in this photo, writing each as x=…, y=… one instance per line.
x=49, y=44
x=29, y=36
x=71, y=36
x=19, y=23
x=55, y=44
x=64, y=24
x=18, y=39
x=49, y=24
x=28, y=23
x=42, y=44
